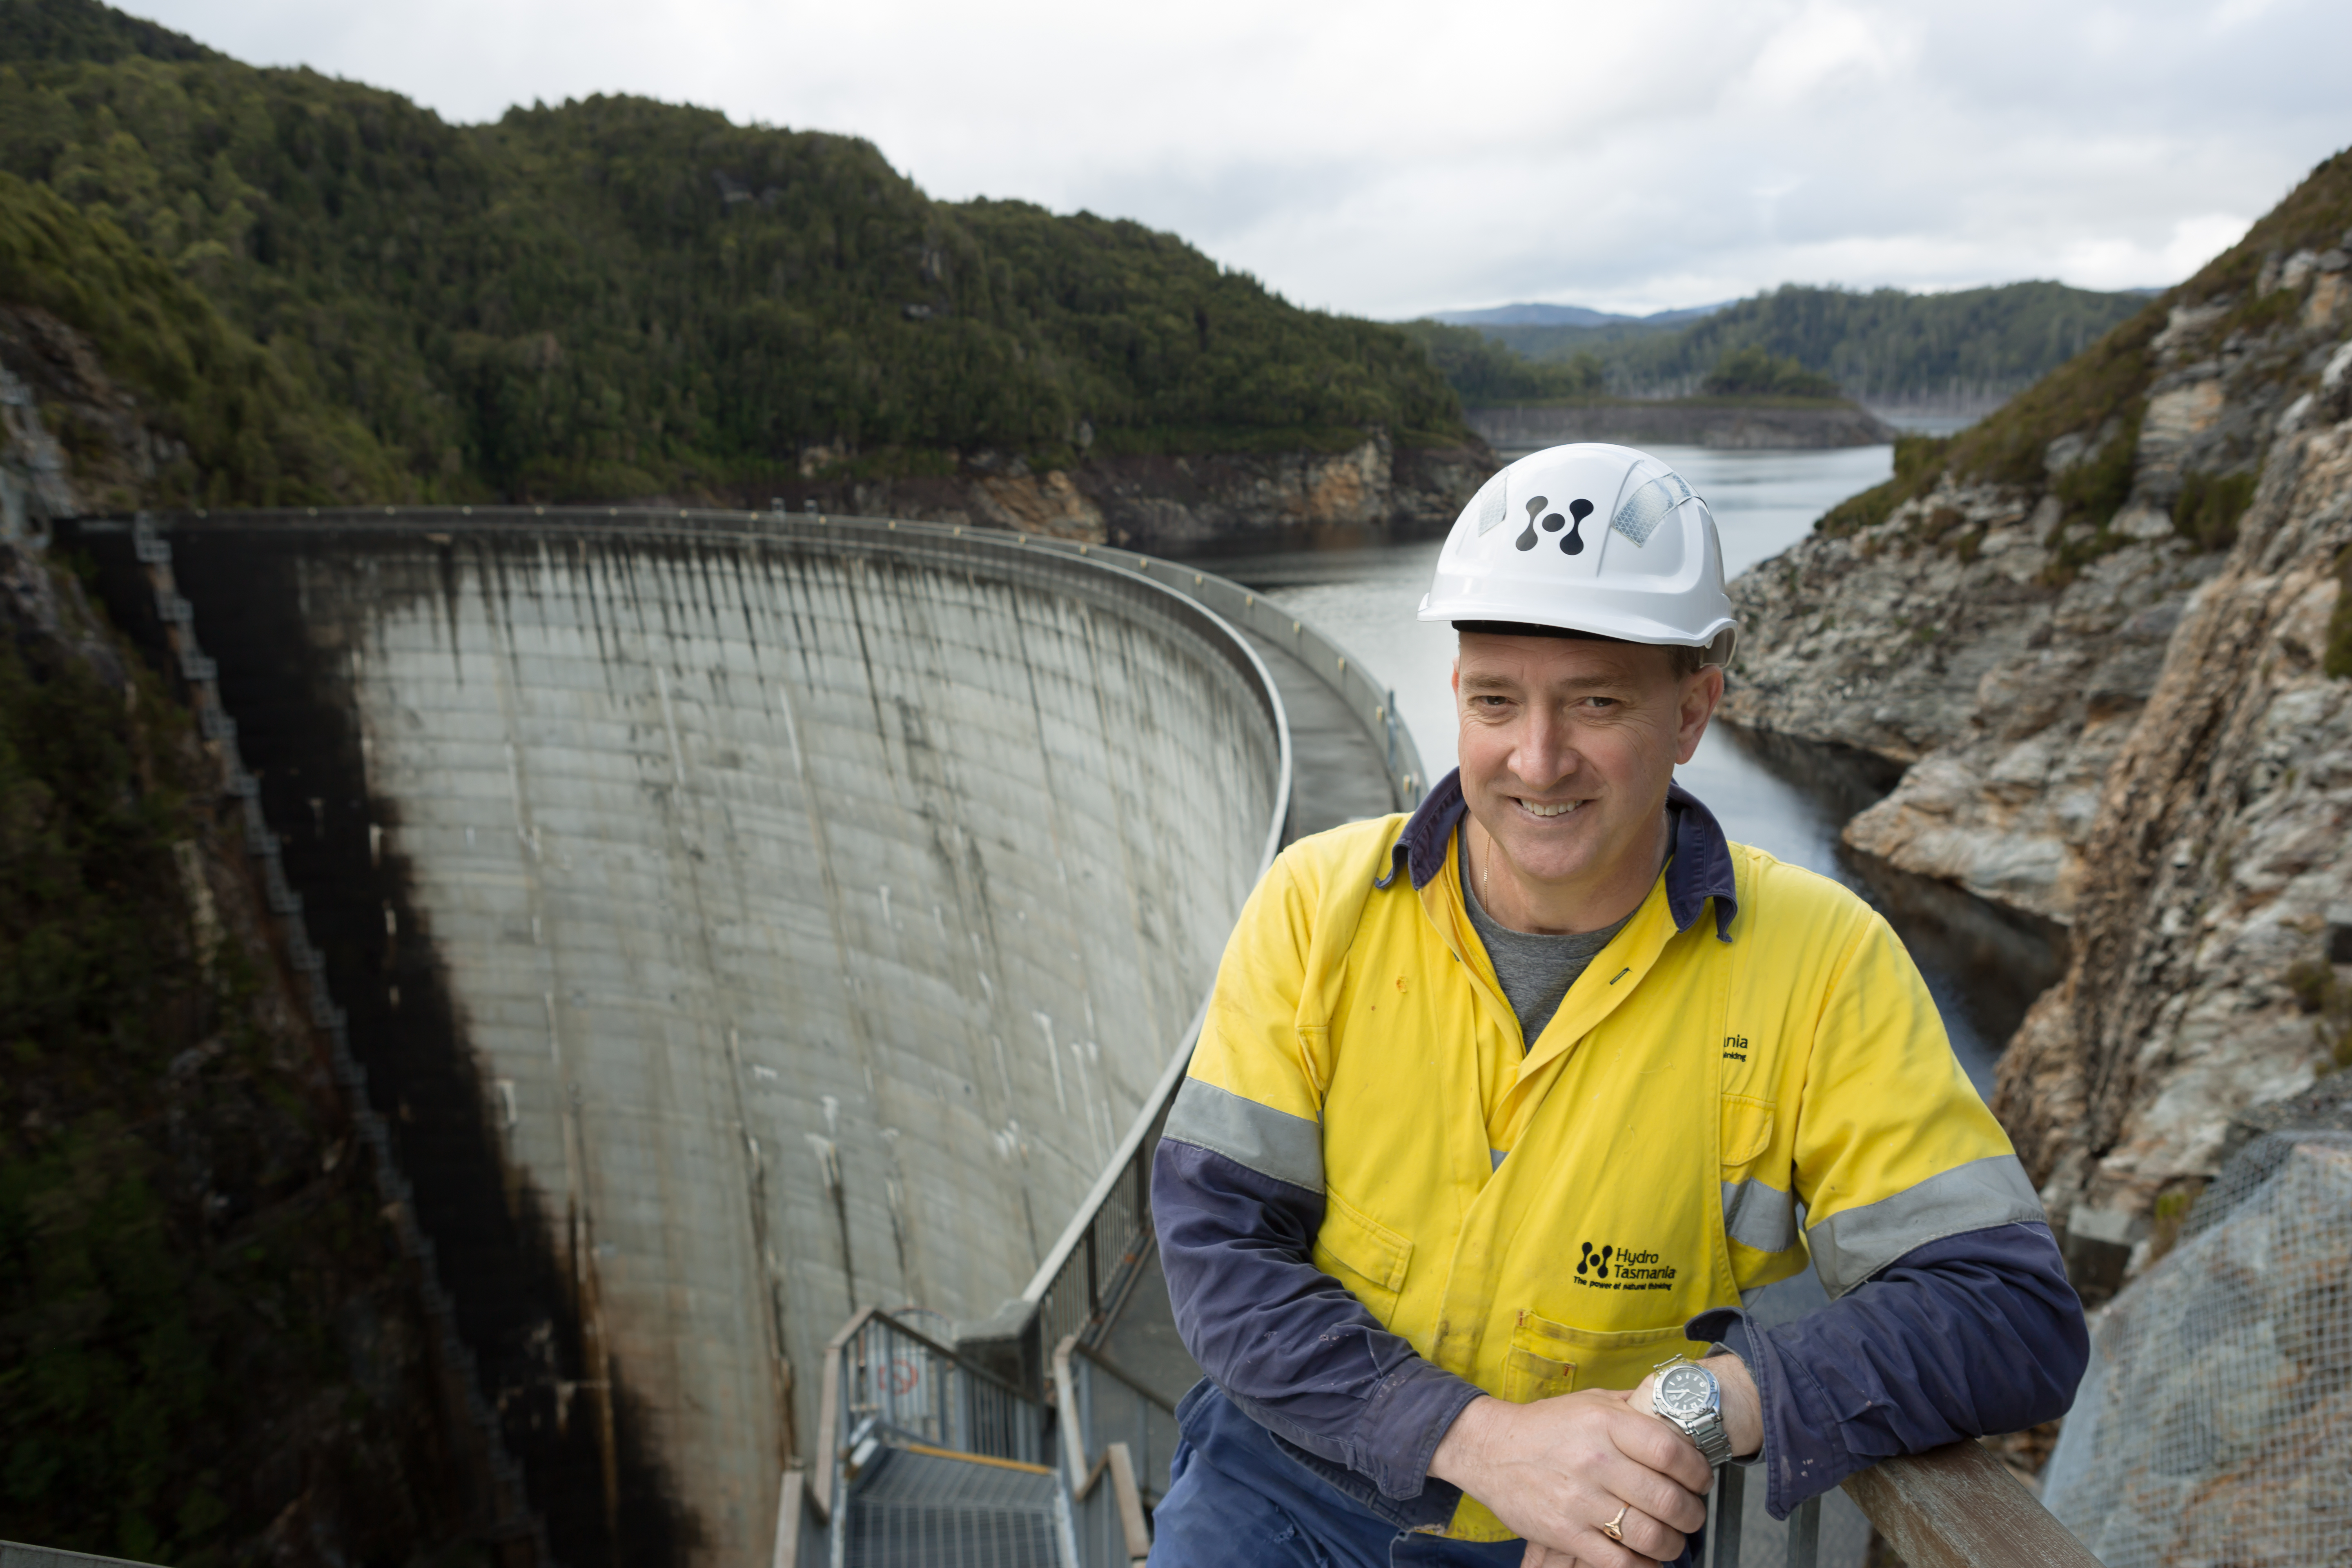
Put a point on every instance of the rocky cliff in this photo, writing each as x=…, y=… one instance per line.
x=212, y=1350
x=2097, y=627
x=1201, y=503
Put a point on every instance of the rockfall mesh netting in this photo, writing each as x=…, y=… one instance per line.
x=2215, y=1426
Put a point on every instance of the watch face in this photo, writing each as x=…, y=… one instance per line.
x=1685, y=1391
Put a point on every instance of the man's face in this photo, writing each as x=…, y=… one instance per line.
x=1567, y=746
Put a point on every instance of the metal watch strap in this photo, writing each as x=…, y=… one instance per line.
x=1714, y=1442
x=1707, y=1430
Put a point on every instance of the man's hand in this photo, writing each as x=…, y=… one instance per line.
x=1743, y=1407
x=1557, y=1470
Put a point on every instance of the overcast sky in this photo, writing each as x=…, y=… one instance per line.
x=1389, y=159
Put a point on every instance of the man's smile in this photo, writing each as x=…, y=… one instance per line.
x=1541, y=808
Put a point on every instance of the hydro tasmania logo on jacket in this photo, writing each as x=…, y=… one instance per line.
x=1610, y=1266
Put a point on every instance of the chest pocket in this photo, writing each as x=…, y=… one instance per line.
x=1362, y=1254
x=1746, y=1129
x=1548, y=1359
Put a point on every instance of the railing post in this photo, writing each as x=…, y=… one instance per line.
x=1731, y=1503
x=1804, y=1533
x=1093, y=1281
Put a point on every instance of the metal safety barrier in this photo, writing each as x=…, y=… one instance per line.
x=16, y=1554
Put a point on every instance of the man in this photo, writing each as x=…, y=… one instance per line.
x=1500, y=1106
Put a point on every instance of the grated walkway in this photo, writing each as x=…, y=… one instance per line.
x=1336, y=771
x=1337, y=775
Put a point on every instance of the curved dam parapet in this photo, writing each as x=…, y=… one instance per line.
x=741, y=920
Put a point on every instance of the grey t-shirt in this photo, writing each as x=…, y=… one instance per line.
x=1536, y=970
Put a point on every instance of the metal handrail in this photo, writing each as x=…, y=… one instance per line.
x=1090, y=1265
x=895, y=1377
x=16, y=1554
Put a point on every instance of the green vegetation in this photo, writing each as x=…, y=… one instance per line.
x=2211, y=506
x=2329, y=1007
x=620, y=298
x=1486, y=372
x=1483, y=370
x=2337, y=658
x=1919, y=459
x=1882, y=346
x=1750, y=371
x=33, y=30
x=252, y=433
x=178, y=1278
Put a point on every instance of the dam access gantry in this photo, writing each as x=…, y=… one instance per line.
x=731, y=926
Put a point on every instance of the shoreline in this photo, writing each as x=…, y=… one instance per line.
x=1752, y=425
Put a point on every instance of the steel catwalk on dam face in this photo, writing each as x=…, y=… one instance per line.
x=805, y=917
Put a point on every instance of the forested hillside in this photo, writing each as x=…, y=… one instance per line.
x=614, y=297
x=1969, y=348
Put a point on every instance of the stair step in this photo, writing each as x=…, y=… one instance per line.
x=928, y=1508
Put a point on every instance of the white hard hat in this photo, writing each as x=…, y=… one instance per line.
x=1589, y=538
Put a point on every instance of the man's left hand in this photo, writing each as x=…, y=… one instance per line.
x=1743, y=1408
x=1743, y=1423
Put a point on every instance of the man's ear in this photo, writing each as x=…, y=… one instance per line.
x=1701, y=694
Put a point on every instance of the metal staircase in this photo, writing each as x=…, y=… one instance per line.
x=934, y=1460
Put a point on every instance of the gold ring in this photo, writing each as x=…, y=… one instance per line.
x=1611, y=1529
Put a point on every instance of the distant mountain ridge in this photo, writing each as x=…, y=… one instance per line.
x=1965, y=350
x=1533, y=314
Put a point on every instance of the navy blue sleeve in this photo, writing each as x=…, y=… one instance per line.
x=1975, y=1334
x=1288, y=1343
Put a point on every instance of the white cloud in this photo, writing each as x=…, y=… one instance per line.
x=1384, y=158
x=2120, y=262
x=1825, y=49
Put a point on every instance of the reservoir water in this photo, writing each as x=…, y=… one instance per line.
x=1783, y=796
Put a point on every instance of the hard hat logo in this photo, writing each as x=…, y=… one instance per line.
x=1574, y=543
x=1654, y=573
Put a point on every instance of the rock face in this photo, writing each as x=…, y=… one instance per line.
x=2217, y=877
x=116, y=455
x=1687, y=422
x=1192, y=505
x=2007, y=694
x=215, y=1350
x=2097, y=627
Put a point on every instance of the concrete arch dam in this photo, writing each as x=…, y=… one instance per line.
x=743, y=919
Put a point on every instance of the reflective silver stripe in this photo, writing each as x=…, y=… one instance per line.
x=1271, y=1142
x=1760, y=1216
x=1849, y=1247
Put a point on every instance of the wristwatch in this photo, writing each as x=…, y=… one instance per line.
x=1687, y=1396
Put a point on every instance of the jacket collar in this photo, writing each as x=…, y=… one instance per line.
x=1699, y=869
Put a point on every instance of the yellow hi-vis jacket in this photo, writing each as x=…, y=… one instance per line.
x=1542, y=1217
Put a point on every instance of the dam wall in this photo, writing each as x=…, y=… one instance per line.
x=740, y=921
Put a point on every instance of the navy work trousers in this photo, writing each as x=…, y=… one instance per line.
x=1234, y=1497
